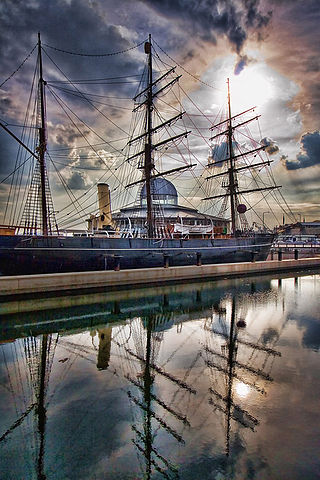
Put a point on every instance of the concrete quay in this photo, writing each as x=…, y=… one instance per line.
x=57, y=282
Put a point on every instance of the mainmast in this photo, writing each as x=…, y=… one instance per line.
x=232, y=179
x=148, y=165
x=145, y=98
x=42, y=144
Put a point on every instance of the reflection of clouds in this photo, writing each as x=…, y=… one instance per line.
x=269, y=335
x=90, y=416
x=311, y=336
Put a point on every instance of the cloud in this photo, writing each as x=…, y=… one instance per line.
x=210, y=18
x=219, y=152
x=77, y=181
x=66, y=135
x=309, y=154
x=100, y=158
x=271, y=146
x=296, y=29
x=241, y=63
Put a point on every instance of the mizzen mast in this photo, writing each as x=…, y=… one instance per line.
x=232, y=178
x=232, y=186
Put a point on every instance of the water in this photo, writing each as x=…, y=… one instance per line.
x=215, y=380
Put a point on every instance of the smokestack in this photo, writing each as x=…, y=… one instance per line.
x=105, y=217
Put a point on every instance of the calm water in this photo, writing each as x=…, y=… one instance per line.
x=211, y=381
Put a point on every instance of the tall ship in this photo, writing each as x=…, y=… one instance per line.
x=154, y=230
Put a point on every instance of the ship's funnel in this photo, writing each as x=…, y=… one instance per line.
x=105, y=217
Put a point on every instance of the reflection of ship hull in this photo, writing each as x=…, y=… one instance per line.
x=27, y=255
x=60, y=314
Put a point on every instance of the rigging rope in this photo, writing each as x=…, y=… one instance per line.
x=186, y=71
x=24, y=61
x=95, y=54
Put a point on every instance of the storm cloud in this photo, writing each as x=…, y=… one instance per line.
x=271, y=146
x=210, y=18
x=309, y=154
x=77, y=181
x=241, y=63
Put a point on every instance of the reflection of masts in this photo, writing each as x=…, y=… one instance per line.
x=231, y=357
x=147, y=399
x=231, y=410
x=41, y=409
x=145, y=437
x=39, y=360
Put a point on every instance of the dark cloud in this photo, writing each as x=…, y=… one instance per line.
x=269, y=336
x=209, y=18
x=313, y=64
x=68, y=134
x=309, y=155
x=271, y=146
x=77, y=181
x=76, y=26
x=311, y=336
x=254, y=18
x=5, y=104
x=219, y=152
x=242, y=62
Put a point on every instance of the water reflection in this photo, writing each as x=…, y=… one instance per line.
x=173, y=382
x=238, y=377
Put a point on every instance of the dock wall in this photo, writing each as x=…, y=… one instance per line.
x=25, y=284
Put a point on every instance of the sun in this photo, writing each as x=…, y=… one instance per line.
x=250, y=88
x=254, y=86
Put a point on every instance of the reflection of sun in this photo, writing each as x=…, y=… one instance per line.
x=242, y=389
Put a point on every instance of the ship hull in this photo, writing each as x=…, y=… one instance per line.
x=30, y=255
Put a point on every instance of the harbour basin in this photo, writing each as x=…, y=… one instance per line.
x=214, y=380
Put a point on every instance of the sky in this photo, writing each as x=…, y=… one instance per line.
x=269, y=49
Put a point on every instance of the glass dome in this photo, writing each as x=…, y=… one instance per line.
x=163, y=192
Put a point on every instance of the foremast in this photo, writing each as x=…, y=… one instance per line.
x=38, y=202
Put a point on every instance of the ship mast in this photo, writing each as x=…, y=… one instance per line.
x=232, y=188
x=42, y=145
x=231, y=172
x=148, y=166
x=145, y=98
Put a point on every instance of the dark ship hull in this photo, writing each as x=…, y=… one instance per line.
x=22, y=255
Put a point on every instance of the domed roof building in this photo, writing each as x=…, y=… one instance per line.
x=163, y=192
x=170, y=217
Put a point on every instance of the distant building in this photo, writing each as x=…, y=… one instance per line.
x=303, y=228
x=167, y=213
